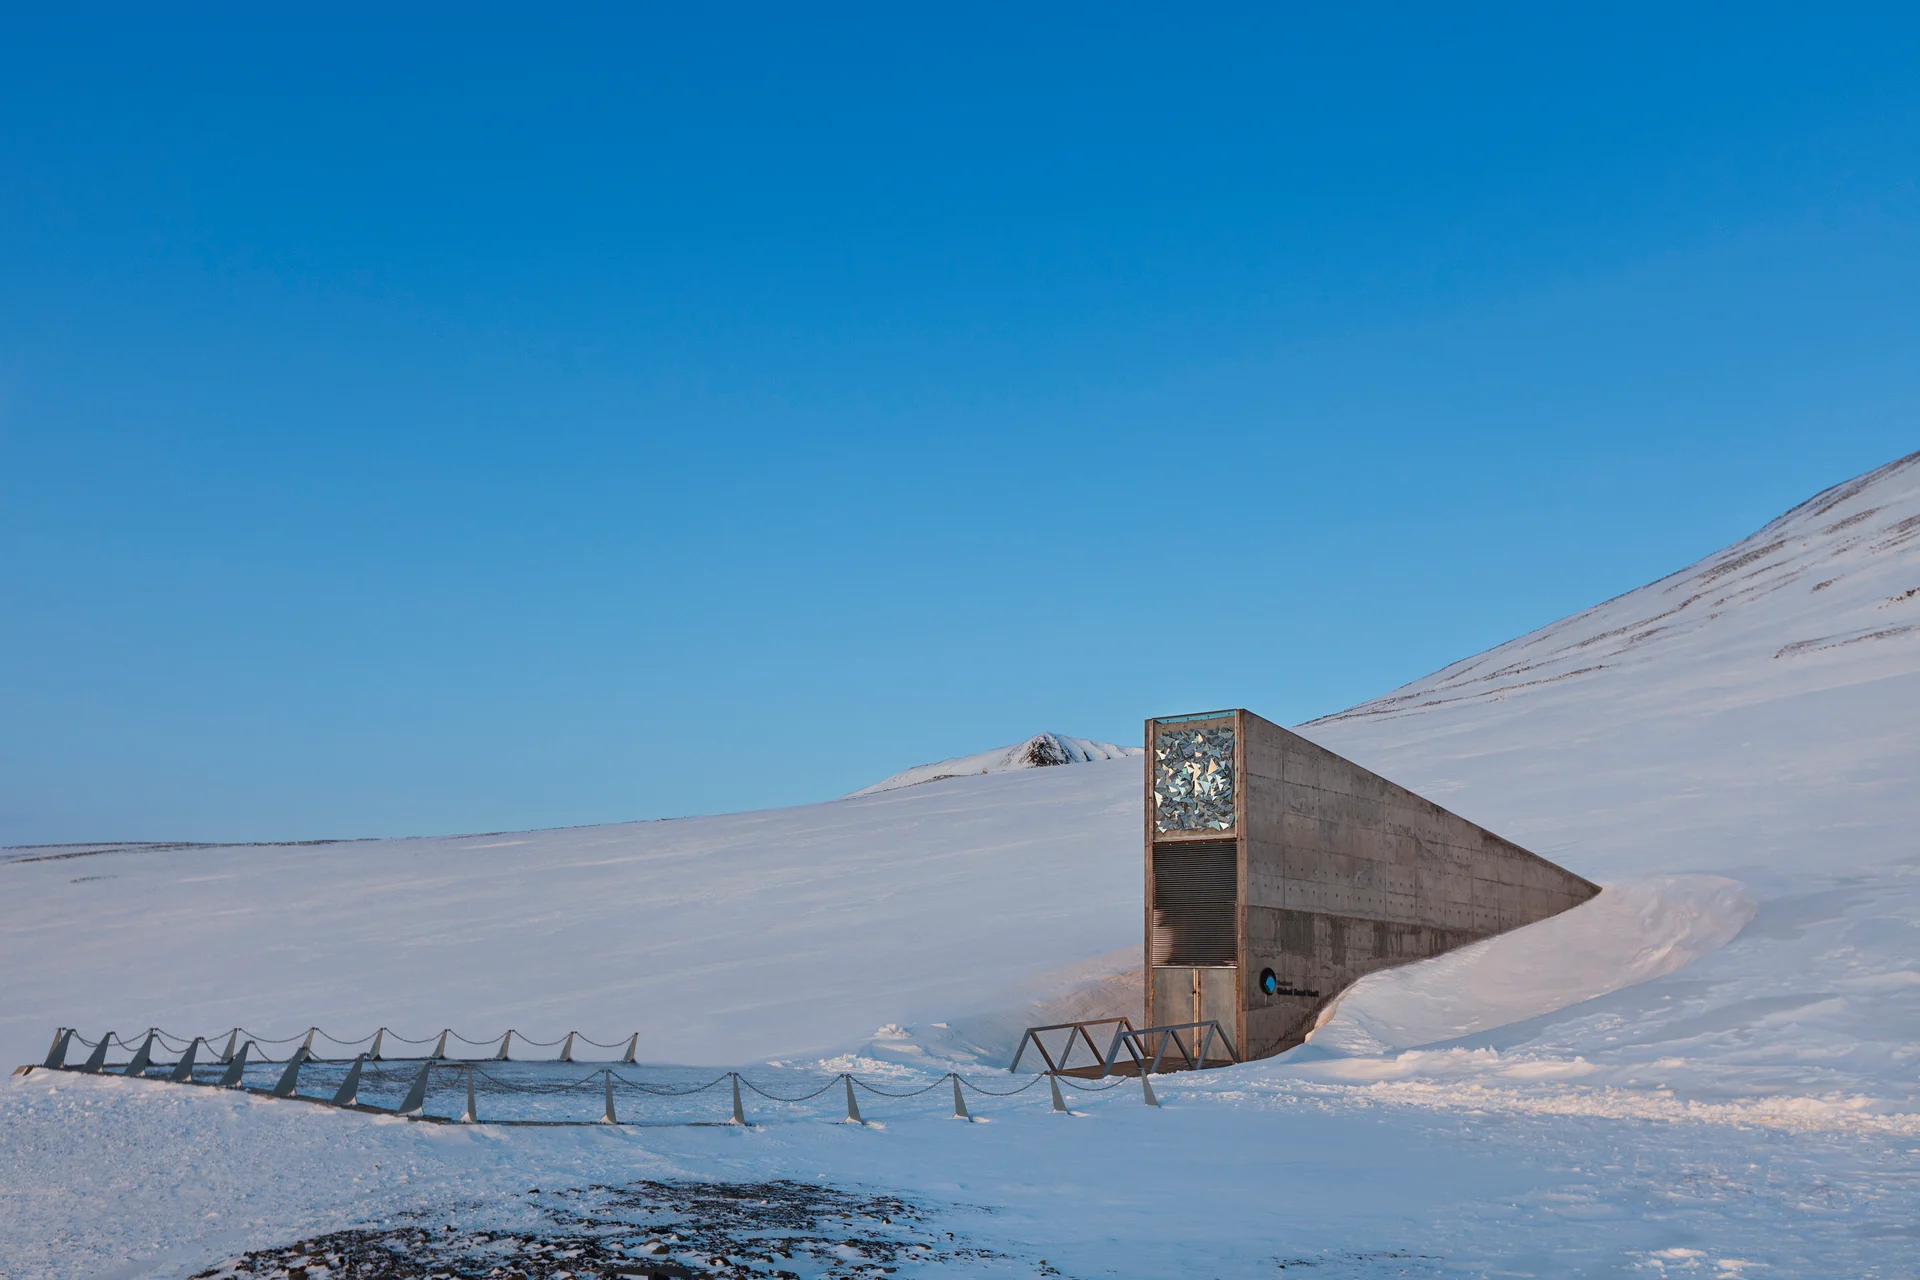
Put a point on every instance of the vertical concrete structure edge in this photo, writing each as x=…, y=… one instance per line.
x=1240, y=791
x=1146, y=895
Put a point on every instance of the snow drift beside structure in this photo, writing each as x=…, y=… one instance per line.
x=1632, y=933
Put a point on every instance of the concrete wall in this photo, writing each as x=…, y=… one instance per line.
x=1343, y=872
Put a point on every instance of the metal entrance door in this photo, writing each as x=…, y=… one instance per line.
x=1194, y=934
x=1196, y=993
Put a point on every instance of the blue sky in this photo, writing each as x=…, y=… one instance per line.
x=423, y=421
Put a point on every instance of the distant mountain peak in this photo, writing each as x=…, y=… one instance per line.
x=1042, y=750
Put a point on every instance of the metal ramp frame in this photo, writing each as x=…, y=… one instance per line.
x=1076, y=1034
x=1146, y=1048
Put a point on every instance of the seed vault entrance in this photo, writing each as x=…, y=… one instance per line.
x=1278, y=873
x=1195, y=932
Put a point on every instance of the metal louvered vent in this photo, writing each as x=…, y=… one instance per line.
x=1194, y=890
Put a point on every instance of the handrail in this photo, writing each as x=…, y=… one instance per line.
x=1076, y=1030
x=1170, y=1034
x=1149, y=1056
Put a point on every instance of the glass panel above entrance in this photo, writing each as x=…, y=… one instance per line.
x=1193, y=778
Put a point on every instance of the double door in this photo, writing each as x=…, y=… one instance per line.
x=1196, y=993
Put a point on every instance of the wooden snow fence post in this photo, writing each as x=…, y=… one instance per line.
x=236, y=1068
x=290, y=1078
x=97, y=1060
x=233, y=1038
x=379, y=1038
x=57, y=1054
x=473, y=1112
x=440, y=1049
x=960, y=1111
x=183, y=1070
x=853, y=1108
x=633, y=1042
x=739, y=1113
x=610, y=1116
x=349, y=1092
x=141, y=1057
x=1059, y=1103
x=566, y=1050
x=307, y=1044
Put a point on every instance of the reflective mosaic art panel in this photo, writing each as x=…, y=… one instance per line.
x=1193, y=779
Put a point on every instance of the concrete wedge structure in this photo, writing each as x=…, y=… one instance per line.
x=1278, y=873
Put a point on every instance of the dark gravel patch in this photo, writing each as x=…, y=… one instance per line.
x=643, y=1231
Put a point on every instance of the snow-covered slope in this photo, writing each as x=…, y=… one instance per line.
x=1706, y=1071
x=719, y=939
x=1041, y=751
x=1839, y=575
x=1759, y=710
x=1751, y=717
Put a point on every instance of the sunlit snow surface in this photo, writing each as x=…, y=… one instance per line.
x=1708, y=1071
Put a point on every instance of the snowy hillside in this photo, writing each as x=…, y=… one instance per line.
x=1707, y=1071
x=1758, y=711
x=1838, y=575
x=1040, y=751
x=720, y=939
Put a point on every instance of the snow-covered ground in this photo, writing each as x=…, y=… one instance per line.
x=1709, y=1070
x=719, y=939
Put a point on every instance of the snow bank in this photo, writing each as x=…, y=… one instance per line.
x=1631, y=933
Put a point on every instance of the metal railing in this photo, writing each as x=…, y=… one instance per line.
x=189, y=1046
x=1146, y=1047
x=1077, y=1034
x=553, y=1089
